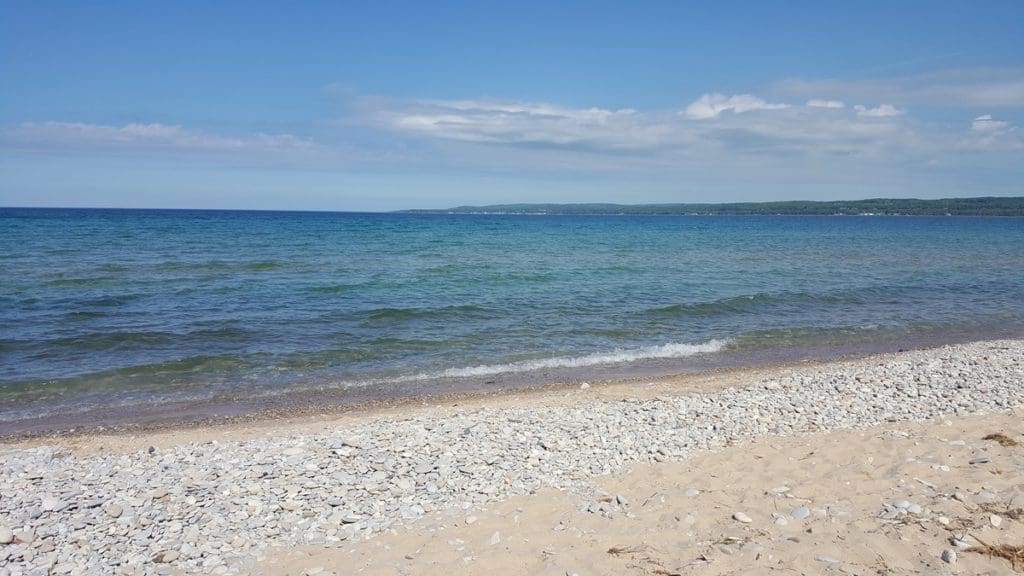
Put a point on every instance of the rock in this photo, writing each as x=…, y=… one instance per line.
x=914, y=509
x=470, y=520
x=691, y=492
x=780, y=489
x=351, y=518
x=741, y=517
x=781, y=521
x=293, y=451
x=995, y=520
x=6, y=536
x=826, y=559
x=50, y=504
x=495, y=538
x=114, y=510
x=901, y=504
x=25, y=536
x=942, y=520
x=584, y=386
x=801, y=512
x=949, y=556
x=980, y=460
x=167, y=556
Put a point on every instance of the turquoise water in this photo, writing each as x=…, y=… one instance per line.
x=106, y=313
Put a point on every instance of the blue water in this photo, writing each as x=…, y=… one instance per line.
x=107, y=312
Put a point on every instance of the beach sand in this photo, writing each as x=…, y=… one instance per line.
x=844, y=480
x=870, y=466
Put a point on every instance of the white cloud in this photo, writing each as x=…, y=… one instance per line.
x=990, y=135
x=883, y=111
x=835, y=104
x=524, y=124
x=986, y=124
x=152, y=135
x=711, y=105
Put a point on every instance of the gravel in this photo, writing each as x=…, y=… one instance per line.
x=216, y=507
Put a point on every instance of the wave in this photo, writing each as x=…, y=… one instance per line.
x=618, y=356
x=400, y=314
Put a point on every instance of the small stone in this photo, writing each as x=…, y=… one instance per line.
x=470, y=520
x=942, y=520
x=914, y=509
x=800, y=513
x=50, y=504
x=960, y=497
x=780, y=489
x=293, y=451
x=949, y=556
x=901, y=504
x=692, y=492
x=114, y=510
x=996, y=521
x=167, y=556
x=6, y=536
x=585, y=386
x=826, y=559
x=781, y=521
x=25, y=536
x=741, y=517
x=980, y=460
x=495, y=538
x=351, y=518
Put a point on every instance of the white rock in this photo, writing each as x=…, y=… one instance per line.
x=995, y=520
x=949, y=556
x=495, y=538
x=584, y=386
x=6, y=536
x=741, y=517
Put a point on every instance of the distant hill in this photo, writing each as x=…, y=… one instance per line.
x=987, y=206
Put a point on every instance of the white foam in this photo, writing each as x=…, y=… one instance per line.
x=671, y=350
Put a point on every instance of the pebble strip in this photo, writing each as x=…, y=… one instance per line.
x=215, y=507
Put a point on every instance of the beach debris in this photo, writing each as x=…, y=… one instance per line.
x=1002, y=439
x=1013, y=553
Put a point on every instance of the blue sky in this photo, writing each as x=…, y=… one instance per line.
x=387, y=105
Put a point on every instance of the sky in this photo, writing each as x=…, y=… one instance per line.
x=389, y=105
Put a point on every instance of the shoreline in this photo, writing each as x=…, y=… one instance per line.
x=248, y=499
x=299, y=406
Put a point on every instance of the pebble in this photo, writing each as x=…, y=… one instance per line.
x=470, y=520
x=980, y=460
x=801, y=512
x=584, y=386
x=995, y=520
x=949, y=556
x=116, y=513
x=826, y=559
x=495, y=538
x=741, y=517
x=781, y=520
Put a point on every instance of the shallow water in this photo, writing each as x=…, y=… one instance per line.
x=111, y=312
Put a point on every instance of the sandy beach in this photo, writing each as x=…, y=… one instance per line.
x=909, y=463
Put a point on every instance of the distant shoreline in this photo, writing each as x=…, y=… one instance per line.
x=982, y=206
